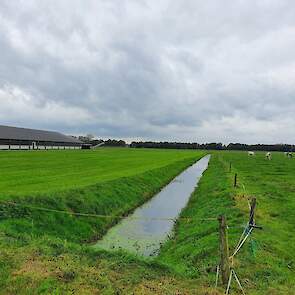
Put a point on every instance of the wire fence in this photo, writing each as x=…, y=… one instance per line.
x=226, y=267
x=105, y=215
x=247, y=229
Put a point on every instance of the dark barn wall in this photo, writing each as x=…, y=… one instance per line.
x=24, y=138
x=9, y=144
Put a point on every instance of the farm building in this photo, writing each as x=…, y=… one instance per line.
x=14, y=138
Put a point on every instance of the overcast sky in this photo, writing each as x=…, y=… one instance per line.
x=184, y=70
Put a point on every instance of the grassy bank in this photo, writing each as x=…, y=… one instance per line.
x=34, y=243
x=265, y=264
x=111, y=198
x=49, y=266
x=193, y=251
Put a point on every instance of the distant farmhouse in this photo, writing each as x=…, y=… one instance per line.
x=13, y=138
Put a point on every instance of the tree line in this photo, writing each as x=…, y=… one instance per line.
x=214, y=146
x=89, y=139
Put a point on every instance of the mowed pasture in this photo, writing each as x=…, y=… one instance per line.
x=187, y=261
x=269, y=256
x=109, y=182
x=27, y=172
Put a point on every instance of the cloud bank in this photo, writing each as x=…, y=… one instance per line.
x=150, y=70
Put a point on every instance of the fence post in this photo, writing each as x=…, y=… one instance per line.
x=230, y=167
x=252, y=211
x=236, y=180
x=224, y=251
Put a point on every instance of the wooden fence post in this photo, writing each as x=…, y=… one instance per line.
x=230, y=167
x=224, y=251
x=236, y=180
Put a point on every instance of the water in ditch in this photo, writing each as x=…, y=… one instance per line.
x=146, y=228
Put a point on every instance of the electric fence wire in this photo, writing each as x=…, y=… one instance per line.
x=104, y=216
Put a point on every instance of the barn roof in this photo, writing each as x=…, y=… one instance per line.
x=16, y=133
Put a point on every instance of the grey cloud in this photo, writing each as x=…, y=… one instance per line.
x=193, y=70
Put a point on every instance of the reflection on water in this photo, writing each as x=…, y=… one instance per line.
x=142, y=235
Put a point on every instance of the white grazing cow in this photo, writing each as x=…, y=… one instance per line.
x=268, y=155
x=251, y=154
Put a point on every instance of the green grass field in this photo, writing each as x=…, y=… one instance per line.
x=47, y=171
x=266, y=262
x=271, y=264
x=108, y=182
x=47, y=253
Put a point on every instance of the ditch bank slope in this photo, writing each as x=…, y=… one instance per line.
x=112, y=198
